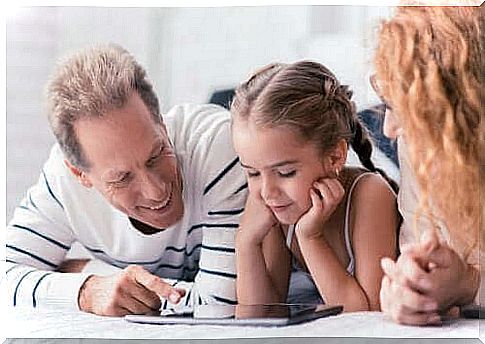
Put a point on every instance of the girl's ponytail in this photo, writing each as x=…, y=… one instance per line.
x=362, y=145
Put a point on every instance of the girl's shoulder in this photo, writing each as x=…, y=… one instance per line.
x=359, y=182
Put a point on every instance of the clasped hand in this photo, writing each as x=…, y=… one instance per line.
x=426, y=280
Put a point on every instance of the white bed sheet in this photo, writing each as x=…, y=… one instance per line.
x=54, y=323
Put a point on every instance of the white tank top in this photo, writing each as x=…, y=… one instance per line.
x=348, y=245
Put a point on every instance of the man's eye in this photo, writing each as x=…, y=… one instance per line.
x=287, y=174
x=153, y=160
x=122, y=181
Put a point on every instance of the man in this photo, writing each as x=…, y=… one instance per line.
x=147, y=197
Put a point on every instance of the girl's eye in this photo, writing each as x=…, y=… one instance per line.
x=252, y=174
x=287, y=174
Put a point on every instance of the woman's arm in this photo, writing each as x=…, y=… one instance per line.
x=428, y=279
x=263, y=261
x=374, y=221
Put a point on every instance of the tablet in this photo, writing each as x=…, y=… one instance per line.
x=242, y=315
x=473, y=312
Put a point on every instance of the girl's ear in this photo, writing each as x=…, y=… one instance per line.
x=337, y=157
x=79, y=174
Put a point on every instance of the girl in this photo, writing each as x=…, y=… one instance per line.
x=429, y=69
x=292, y=125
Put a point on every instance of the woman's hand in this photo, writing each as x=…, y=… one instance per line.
x=428, y=279
x=326, y=194
x=256, y=221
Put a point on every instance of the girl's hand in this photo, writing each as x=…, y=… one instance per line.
x=256, y=221
x=326, y=194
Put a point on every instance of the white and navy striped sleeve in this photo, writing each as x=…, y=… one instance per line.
x=222, y=196
x=37, y=240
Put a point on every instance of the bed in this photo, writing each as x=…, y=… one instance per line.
x=58, y=323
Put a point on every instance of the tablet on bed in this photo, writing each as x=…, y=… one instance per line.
x=242, y=315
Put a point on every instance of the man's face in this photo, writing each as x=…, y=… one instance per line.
x=133, y=164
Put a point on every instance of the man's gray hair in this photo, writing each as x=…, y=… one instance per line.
x=90, y=83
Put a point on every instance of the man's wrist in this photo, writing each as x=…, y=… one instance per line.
x=84, y=296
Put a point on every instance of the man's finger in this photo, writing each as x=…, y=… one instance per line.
x=155, y=284
x=149, y=298
x=135, y=306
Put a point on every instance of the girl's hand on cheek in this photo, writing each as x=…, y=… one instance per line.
x=256, y=221
x=326, y=194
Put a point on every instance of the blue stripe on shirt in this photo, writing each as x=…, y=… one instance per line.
x=42, y=260
x=43, y=236
x=95, y=250
x=219, y=248
x=31, y=201
x=219, y=273
x=220, y=176
x=187, y=298
x=170, y=266
x=223, y=300
x=50, y=190
x=18, y=285
x=34, y=301
x=226, y=212
x=169, y=248
x=183, y=249
x=241, y=188
x=213, y=225
x=189, y=253
x=11, y=268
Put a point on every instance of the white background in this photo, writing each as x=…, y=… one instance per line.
x=188, y=52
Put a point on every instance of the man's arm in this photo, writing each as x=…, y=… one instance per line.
x=222, y=192
x=37, y=240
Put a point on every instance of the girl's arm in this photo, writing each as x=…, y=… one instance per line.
x=374, y=221
x=263, y=270
x=263, y=261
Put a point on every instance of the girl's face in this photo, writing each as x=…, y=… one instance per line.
x=280, y=167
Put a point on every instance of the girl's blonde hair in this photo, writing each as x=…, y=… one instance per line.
x=429, y=69
x=306, y=97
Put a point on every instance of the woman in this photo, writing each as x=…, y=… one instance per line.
x=429, y=72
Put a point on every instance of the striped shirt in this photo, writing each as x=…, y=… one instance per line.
x=197, y=253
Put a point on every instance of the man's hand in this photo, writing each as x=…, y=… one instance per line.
x=326, y=195
x=427, y=280
x=132, y=291
x=256, y=221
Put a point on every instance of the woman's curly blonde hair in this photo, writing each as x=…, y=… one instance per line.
x=429, y=69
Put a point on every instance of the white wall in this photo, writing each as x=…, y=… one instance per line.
x=188, y=53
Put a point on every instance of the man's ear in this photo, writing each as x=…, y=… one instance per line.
x=80, y=175
x=163, y=127
x=338, y=156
